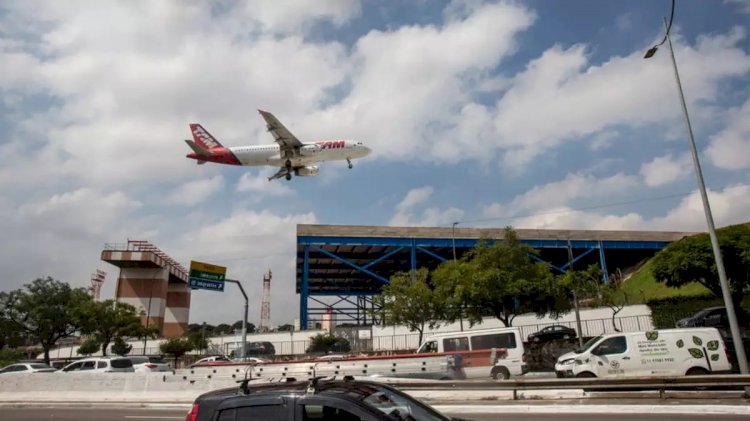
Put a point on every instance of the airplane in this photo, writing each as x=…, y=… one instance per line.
x=289, y=153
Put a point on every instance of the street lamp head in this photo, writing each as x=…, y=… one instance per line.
x=651, y=51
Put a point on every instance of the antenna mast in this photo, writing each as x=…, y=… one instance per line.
x=265, y=308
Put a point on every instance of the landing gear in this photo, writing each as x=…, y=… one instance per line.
x=288, y=164
x=349, y=161
x=288, y=176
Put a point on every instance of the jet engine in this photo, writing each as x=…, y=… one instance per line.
x=307, y=171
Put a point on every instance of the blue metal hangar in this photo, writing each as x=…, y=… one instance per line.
x=340, y=268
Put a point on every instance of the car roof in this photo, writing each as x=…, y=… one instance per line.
x=292, y=387
x=474, y=332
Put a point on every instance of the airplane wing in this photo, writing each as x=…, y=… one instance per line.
x=286, y=140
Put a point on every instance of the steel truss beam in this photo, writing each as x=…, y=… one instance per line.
x=348, y=265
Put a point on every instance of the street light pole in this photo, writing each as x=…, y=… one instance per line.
x=244, y=320
x=725, y=292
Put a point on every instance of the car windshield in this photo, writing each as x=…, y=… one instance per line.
x=588, y=345
x=392, y=402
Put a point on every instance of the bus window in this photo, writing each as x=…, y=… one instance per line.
x=497, y=340
x=455, y=344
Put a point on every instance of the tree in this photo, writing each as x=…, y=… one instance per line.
x=586, y=284
x=504, y=281
x=691, y=259
x=10, y=335
x=88, y=347
x=176, y=347
x=238, y=326
x=224, y=329
x=120, y=347
x=614, y=297
x=286, y=328
x=45, y=310
x=409, y=300
x=109, y=320
x=197, y=341
x=451, y=280
x=323, y=342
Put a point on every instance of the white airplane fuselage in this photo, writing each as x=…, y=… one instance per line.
x=293, y=156
x=310, y=153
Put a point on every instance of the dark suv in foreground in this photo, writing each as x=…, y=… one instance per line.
x=344, y=400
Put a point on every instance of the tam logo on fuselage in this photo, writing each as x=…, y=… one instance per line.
x=205, y=138
x=332, y=144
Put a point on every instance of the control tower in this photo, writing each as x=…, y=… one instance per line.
x=152, y=282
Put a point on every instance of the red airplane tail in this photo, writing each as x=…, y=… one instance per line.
x=203, y=138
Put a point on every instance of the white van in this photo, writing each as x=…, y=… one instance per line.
x=498, y=353
x=669, y=352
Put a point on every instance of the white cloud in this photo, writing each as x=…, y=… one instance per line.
x=260, y=184
x=561, y=97
x=289, y=16
x=730, y=148
x=559, y=193
x=407, y=211
x=729, y=206
x=127, y=79
x=665, y=169
x=408, y=83
x=197, y=191
x=742, y=5
x=414, y=197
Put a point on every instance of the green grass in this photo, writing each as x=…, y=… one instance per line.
x=642, y=286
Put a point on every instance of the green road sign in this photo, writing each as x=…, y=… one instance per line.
x=207, y=276
x=196, y=283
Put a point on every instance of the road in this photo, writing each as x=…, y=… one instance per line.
x=120, y=414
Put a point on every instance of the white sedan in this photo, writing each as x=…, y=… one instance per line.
x=27, y=368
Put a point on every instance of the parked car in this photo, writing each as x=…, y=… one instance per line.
x=553, y=332
x=27, y=368
x=346, y=399
x=211, y=359
x=255, y=360
x=146, y=364
x=714, y=317
x=100, y=365
x=255, y=349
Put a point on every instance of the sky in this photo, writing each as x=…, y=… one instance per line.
x=534, y=114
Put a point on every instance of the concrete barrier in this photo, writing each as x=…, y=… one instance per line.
x=105, y=387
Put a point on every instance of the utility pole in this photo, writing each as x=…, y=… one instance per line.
x=244, y=319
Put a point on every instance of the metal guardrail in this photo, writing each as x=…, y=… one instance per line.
x=660, y=384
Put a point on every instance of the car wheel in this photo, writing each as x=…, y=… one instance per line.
x=500, y=373
x=586, y=375
x=696, y=371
